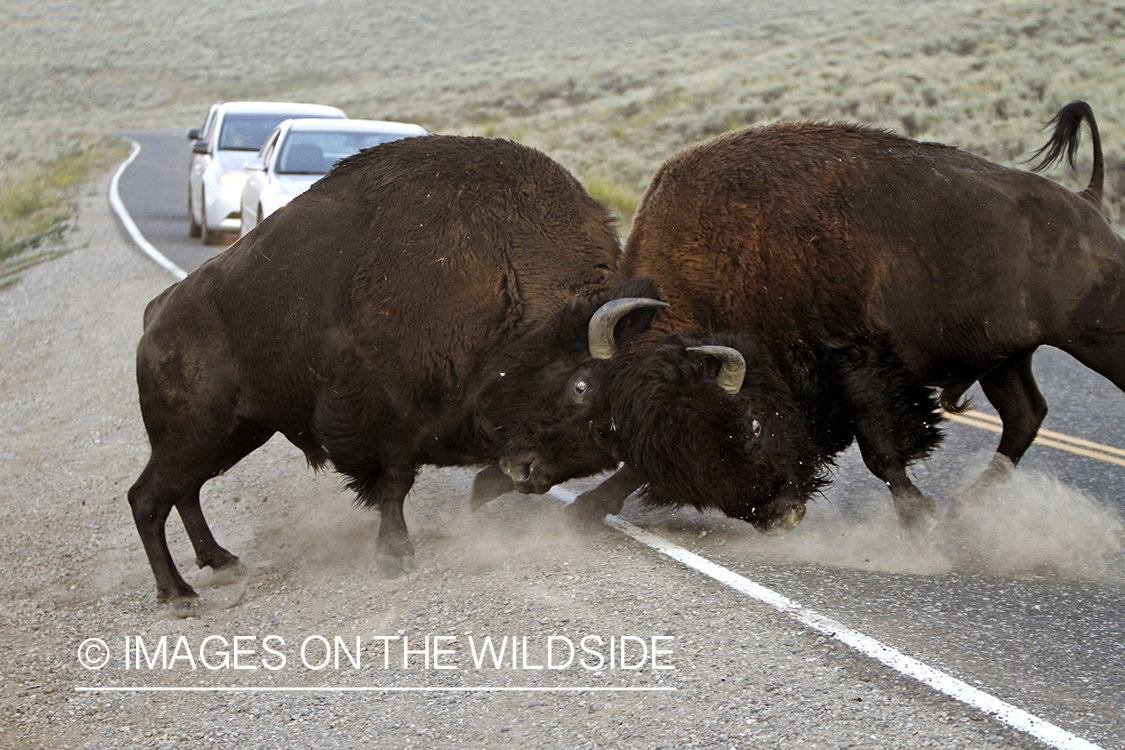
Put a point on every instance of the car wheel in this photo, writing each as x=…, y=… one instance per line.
x=194, y=230
x=208, y=235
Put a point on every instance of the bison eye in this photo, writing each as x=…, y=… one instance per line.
x=580, y=387
x=756, y=426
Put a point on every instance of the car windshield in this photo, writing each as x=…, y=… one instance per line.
x=247, y=132
x=315, y=152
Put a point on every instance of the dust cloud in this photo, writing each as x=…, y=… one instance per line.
x=1030, y=524
x=325, y=536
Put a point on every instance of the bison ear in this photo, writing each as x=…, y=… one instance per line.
x=623, y=317
x=733, y=371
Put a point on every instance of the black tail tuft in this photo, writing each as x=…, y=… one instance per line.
x=1064, y=141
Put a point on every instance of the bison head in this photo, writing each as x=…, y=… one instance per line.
x=709, y=423
x=542, y=394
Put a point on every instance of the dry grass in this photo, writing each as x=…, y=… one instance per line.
x=37, y=200
x=979, y=74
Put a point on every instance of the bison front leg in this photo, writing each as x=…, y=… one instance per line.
x=387, y=491
x=895, y=422
x=916, y=512
x=608, y=497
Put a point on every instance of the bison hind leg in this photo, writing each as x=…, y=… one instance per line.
x=1012, y=390
x=151, y=501
x=173, y=478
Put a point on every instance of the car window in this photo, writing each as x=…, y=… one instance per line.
x=315, y=152
x=267, y=149
x=205, y=131
x=247, y=132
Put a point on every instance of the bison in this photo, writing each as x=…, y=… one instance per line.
x=427, y=302
x=826, y=281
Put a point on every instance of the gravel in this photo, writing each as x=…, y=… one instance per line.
x=72, y=568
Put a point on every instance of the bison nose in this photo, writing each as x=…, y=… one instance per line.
x=780, y=516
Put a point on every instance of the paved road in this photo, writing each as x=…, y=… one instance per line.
x=1049, y=639
x=154, y=187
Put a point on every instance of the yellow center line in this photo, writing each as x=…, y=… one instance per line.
x=1048, y=438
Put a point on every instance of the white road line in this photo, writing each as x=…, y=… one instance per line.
x=130, y=226
x=947, y=684
x=372, y=689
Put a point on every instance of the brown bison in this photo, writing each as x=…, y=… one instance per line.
x=824, y=279
x=427, y=302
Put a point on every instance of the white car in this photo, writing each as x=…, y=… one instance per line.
x=231, y=133
x=299, y=152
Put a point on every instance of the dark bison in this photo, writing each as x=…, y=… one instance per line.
x=836, y=275
x=418, y=305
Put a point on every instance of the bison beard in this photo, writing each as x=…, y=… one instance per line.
x=871, y=270
x=424, y=303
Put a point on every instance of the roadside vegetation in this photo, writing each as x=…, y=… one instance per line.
x=38, y=201
x=983, y=75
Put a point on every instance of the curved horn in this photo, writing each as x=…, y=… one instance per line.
x=600, y=330
x=733, y=372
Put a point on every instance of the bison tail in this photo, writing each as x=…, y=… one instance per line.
x=951, y=401
x=1064, y=142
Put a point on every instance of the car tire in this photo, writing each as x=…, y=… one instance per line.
x=208, y=235
x=194, y=230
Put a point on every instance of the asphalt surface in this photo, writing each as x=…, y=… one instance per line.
x=1033, y=611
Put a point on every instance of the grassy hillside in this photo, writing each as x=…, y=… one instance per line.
x=982, y=75
x=979, y=75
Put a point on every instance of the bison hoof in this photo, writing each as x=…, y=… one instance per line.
x=392, y=567
x=183, y=606
x=488, y=485
x=920, y=527
x=917, y=515
x=232, y=572
x=217, y=559
x=584, y=513
x=592, y=506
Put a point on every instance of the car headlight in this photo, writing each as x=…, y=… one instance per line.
x=228, y=179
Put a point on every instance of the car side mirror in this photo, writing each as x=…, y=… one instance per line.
x=199, y=147
x=193, y=134
x=258, y=164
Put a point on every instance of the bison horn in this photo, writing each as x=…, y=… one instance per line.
x=600, y=331
x=734, y=366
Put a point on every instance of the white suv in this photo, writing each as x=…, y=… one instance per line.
x=232, y=133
